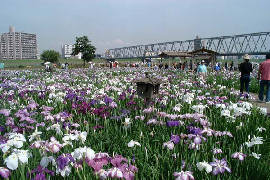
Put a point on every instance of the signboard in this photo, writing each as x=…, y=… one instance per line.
x=2, y=65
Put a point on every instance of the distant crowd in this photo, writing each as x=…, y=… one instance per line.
x=183, y=66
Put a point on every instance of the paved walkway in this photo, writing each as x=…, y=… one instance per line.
x=255, y=101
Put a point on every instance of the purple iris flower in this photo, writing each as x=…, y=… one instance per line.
x=98, y=162
x=175, y=139
x=2, y=128
x=71, y=96
x=40, y=176
x=220, y=166
x=239, y=155
x=194, y=130
x=133, y=158
x=64, y=114
x=79, y=98
x=5, y=173
x=172, y=123
x=128, y=171
x=47, y=108
x=122, y=96
x=93, y=102
x=63, y=160
x=41, y=172
x=32, y=105
x=118, y=160
x=40, y=124
x=5, y=112
x=125, y=111
x=107, y=100
x=66, y=124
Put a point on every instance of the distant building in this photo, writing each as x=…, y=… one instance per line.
x=67, y=52
x=18, y=45
x=197, y=43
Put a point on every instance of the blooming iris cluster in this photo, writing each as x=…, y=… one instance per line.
x=57, y=118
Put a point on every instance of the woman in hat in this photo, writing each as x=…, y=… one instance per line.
x=202, y=69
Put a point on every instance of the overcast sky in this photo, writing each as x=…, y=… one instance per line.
x=119, y=23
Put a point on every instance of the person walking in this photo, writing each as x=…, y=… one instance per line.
x=184, y=65
x=245, y=68
x=179, y=66
x=217, y=67
x=264, y=76
x=226, y=66
x=190, y=65
x=166, y=66
x=231, y=66
x=202, y=69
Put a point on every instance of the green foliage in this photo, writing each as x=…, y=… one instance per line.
x=50, y=56
x=83, y=45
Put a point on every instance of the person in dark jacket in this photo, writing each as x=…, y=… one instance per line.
x=190, y=65
x=166, y=66
x=245, y=68
x=226, y=66
x=231, y=66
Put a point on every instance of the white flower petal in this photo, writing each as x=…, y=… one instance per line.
x=12, y=161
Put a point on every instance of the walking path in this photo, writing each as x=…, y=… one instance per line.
x=255, y=101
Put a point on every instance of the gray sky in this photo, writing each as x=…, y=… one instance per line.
x=118, y=23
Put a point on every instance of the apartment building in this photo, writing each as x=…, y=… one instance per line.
x=18, y=45
x=67, y=52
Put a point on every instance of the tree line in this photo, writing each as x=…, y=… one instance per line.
x=82, y=45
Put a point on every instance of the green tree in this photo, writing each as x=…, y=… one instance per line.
x=83, y=45
x=50, y=56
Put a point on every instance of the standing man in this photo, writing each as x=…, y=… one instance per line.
x=245, y=68
x=264, y=76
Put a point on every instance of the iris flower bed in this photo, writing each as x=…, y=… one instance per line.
x=231, y=79
x=92, y=125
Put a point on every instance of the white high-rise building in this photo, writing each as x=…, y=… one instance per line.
x=18, y=45
x=67, y=52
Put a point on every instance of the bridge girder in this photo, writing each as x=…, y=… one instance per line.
x=237, y=45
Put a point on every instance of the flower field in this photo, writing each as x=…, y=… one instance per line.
x=90, y=124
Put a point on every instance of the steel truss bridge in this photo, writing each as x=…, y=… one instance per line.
x=237, y=45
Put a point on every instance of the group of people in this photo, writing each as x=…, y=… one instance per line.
x=64, y=65
x=185, y=66
x=263, y=76
x=114, y=64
